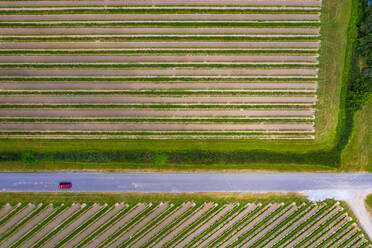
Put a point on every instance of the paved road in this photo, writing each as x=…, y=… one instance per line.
x=318, y=186
x=184, y=182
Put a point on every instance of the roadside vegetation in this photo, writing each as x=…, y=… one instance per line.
x=368, y=203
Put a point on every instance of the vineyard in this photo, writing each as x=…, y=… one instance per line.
x=188, y=224
x=159, y=69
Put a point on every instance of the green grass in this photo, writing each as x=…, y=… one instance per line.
x=16, y=166
x=368, y=204
x=357, y=155
x=134, y=198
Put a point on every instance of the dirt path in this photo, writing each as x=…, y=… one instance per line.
x=154, y=30
x=158, y=127
x=159, y=44
x=94, y=58
x=158, y=86
x=164, y=2
x=158, y=72
x=116, y=99
x=64, y=17
x=154, y=113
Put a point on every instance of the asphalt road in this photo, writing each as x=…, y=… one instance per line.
x=184, y=182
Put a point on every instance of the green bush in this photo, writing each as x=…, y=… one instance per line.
x=161, y=159
x=28, y=157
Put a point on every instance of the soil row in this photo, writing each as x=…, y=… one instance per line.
x=148, y=45
x=151, y=72
x=181, y=58
x=153, y=113
x=161, y=2
x=64, y=17
x=125, y=99
x=175, y=30
x=157, y=86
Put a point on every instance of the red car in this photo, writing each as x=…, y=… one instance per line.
x=65, y=185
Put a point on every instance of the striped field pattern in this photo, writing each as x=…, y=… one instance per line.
x=180, y=225
x=159, y=69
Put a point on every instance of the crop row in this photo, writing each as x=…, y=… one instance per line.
x=269, y=94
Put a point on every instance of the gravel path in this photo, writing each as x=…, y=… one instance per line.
x=116, y=99
x=105, y=234
x=158, y=44
x=87, y=231
x=139, y=225
x=158, y=86
x=94, y=58
x=64, y=17
x=28, y=226
x=158, y=127
x=17, y=218
x=154, y=30
x=51, y=226
x=158, y=72
x=70, y=228
x=163, y=2
x=153, y=113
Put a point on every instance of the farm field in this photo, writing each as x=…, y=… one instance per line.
x=180, y=224
x=160, y=69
